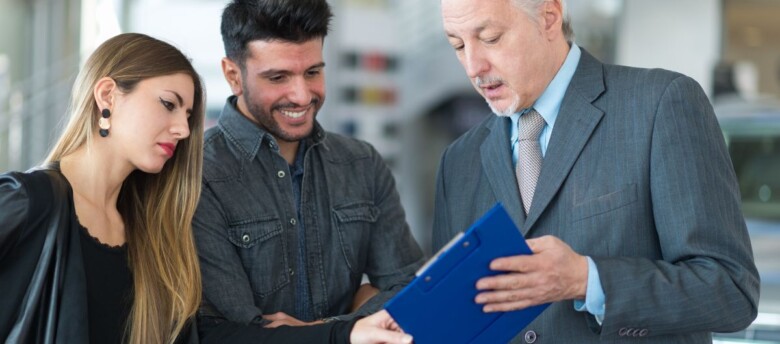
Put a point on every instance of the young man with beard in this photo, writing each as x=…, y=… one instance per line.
x=291, y=216
x=619, y=177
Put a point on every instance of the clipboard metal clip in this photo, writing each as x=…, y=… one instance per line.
x=444, y=248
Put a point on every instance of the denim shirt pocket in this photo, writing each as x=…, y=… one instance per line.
x=263, y=252
x=354, y=221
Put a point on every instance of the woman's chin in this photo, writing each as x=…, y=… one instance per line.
x=151, y=168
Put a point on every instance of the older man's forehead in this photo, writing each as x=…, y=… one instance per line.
x=476, y=14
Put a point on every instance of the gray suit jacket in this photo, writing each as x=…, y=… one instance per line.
x=636, y=176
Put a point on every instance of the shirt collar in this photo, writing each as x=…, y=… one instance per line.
x=549, y=103
x=249, y=136
x=297, y=167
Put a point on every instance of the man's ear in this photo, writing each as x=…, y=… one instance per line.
x=104, y=93
x=552, y=18
x=232, y=73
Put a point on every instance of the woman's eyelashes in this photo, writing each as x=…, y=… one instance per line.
x=167, y=104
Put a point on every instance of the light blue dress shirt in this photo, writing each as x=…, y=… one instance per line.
x=548, y=105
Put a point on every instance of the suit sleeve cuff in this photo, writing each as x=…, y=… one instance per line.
x=594, y=295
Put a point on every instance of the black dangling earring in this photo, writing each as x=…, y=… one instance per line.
x=103, y=122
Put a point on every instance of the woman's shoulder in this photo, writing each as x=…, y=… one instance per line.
x=15, y=192
x=15, y=208
x=27, y=196
x=35, y=183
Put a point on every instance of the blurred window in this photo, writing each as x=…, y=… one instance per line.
x=757, y=164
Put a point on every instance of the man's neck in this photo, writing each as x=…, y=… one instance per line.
x=288, y=150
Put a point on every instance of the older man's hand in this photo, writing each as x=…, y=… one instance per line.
x=553, y=273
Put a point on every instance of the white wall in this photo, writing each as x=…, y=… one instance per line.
x=679, y=35
x=193, y=27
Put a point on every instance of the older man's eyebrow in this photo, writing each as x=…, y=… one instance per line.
x=476, y=31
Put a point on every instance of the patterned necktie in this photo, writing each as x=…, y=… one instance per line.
x=529, y=161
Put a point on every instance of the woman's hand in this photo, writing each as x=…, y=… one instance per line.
x=378, y=328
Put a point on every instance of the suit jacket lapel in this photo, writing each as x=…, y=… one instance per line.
x=496, y=153
x=576, y=121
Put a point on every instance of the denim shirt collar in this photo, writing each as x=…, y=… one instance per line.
x=296, y=169
x=249, y=137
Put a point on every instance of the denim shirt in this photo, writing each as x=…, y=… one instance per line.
x=303, y=299
x=246, y=229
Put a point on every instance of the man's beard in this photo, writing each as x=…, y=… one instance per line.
x=508, y=111
x=269, y=123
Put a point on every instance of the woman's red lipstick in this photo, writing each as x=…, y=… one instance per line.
x=169, y=148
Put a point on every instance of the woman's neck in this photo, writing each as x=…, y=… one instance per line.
x=96, y=180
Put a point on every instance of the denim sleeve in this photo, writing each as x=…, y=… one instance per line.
x=594, y=296
x=394, y=255
x=225, y=283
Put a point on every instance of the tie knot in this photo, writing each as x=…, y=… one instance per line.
x=530, y=125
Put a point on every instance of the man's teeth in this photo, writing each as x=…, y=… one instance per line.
x=293, y=114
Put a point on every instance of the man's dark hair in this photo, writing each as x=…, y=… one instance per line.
x=294, y=21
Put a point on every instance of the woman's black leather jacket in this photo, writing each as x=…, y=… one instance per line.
x=42, y=286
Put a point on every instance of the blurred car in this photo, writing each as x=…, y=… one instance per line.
x=752, y=133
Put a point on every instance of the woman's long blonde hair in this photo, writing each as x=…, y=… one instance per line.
x=157, y=209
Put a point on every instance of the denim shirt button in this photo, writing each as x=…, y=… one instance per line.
x=291, y=272
x=293, y=221
x=245, y=237
x=280, y=174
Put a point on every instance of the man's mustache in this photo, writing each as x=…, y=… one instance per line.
x=489, y=80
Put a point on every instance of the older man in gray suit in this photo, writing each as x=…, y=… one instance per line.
x=619, y=178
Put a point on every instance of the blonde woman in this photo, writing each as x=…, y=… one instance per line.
x=96, y=245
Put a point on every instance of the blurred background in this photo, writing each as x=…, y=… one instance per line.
x=393, y=80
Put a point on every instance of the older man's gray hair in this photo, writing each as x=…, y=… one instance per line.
x=531, y=7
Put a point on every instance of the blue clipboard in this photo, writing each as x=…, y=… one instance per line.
x=438, y=305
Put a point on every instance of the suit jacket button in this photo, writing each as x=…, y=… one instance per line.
x=530, y=337
x=635, y=332
x=643, y=332
x=623, y=332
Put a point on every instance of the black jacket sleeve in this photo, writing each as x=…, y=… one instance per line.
x=14, y=208
x=216, y=330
